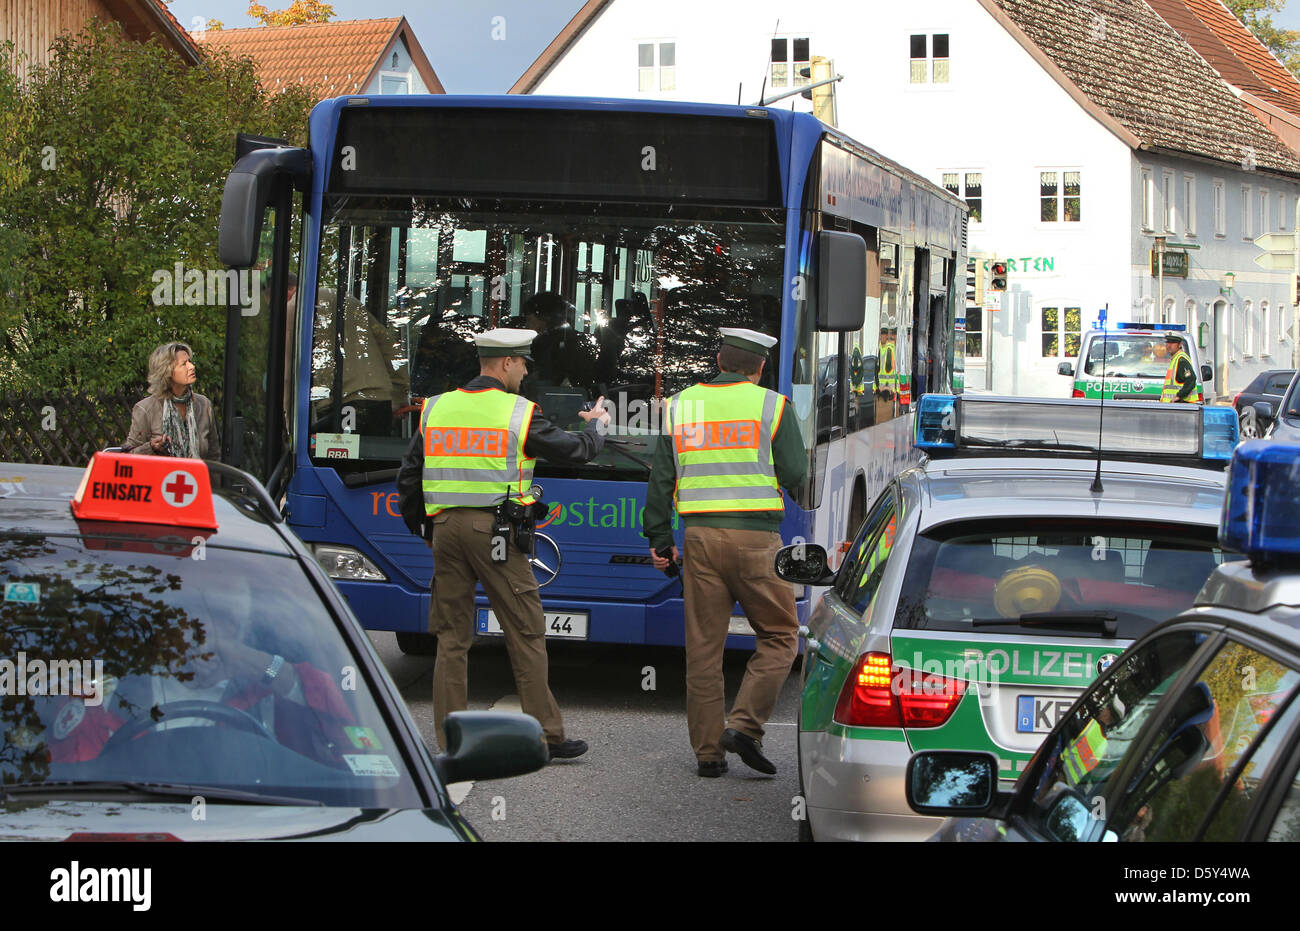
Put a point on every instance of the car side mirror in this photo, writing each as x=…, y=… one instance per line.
x=952, y=782
x=1263, y=411
x=804, y=564
x=1207, y=373
x=490, y=745
x=1065, y=368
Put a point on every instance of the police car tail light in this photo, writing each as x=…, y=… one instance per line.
x=346, y=563
x=879, y=694
x=1261, y=512
x=867, y=698
x=1077, y=393
x=936, y=422
x=1220, y=432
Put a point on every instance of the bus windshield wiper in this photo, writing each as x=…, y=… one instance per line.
x=1105, y=621
x=620, y=447
x=90, y=790
x=356, y=479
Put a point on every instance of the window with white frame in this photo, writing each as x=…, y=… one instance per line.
x=1189, y=315
x=1248, y=330
x=790, y=58
x=974, y=332
x=1059, y=196
x=1189, y=204
x=1281, y=210
x=1246, y=213
x=1061, y=331
x=1220, y=209
x=1167, y=186
x=1148, y=200
x=968, y=185
x=1265, y=325
x=656, y=64
x=1167, y=315
x=928, y=58
x=1264, y=213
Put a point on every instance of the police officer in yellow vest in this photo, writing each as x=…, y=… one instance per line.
x=474, y=446
x=1180, y=377
x=730, y=447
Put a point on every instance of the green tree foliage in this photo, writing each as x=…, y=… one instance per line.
x=1257, y=15
x=118, y=153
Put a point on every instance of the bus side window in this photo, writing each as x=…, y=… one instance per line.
x=863, y=347
x=889, y=355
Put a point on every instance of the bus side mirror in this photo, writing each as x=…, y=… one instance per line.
x=841, y=281
x=248, y=192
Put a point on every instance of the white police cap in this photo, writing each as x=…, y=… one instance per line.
x=505, y=341
x=748, y=340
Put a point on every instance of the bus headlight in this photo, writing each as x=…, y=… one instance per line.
x=346, y=563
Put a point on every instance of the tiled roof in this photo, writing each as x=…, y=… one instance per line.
x=335, y=58
x=1139, y=72
x=1232, y=50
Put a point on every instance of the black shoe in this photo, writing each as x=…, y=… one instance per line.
x=566, y=750
x=711, y=769
x=749, y=750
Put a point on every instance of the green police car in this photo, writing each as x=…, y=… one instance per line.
x=1130, y=362
x=988, y=587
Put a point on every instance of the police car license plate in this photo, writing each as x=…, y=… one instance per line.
x=1037, y=714
x=567, y=625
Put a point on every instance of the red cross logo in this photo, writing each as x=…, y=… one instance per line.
x=179, y=489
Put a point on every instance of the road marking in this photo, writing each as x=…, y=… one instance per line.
x=459, y=791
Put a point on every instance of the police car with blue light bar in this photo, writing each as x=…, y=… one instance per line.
x=174, y=665
x=1131, y=361
x=990, y=585
x=1193, y=734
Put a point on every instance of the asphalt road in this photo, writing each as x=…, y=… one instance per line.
x=638, y=781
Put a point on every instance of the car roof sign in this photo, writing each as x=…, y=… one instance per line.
x=146, y=490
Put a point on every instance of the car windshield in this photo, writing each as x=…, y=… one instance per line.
x=986, y=576
x=1130, y=355
x=115, y=666
x=626, y=301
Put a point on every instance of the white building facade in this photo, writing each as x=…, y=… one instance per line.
x=1056, y=185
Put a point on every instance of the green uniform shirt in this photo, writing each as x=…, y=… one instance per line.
x=788, y=456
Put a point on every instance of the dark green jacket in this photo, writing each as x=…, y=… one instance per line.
x=788, y=455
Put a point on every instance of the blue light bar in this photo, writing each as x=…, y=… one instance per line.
x=1175, y=327
x=936, y=422
x=1261, y=512
x=1220, y=432
x=1135, y=430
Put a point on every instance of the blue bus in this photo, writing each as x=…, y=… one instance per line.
x=625, y=233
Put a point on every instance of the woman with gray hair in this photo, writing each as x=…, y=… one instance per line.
x=173, y=420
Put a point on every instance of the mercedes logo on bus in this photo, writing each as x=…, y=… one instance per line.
x=545, y=560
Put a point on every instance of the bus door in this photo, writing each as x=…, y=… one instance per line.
x=940, y=323
x=921, y=323
x=260, y=241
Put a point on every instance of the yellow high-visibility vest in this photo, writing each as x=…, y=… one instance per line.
x=1170, y=391
x=722, y=448
x=474, y=449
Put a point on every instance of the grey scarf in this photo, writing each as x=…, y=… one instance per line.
x=183, y=434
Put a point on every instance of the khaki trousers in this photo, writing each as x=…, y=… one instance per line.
x=721, y=567
x=462, y=558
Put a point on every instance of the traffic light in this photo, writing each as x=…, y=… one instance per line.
x=998, y=276
x=975, y=282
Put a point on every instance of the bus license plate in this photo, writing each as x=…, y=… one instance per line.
x=1038, y=714
x=565, y=625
